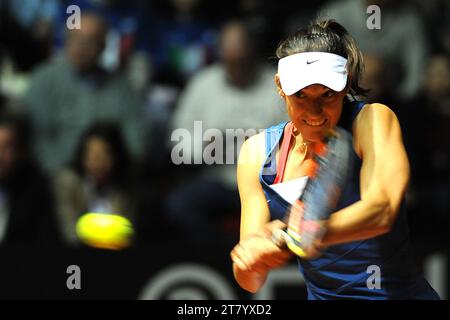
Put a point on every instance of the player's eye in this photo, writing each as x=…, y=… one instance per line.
x=329, y=93
x=299, y=94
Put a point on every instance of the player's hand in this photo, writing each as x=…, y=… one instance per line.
x=258, y=253
x=308, y=246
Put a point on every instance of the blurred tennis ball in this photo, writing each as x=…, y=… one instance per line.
x=105, y=231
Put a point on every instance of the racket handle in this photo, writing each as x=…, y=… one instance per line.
x=282, y=239
x=302, y=246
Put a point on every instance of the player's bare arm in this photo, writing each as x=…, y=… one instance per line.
x=255, y=255
x=384, y=178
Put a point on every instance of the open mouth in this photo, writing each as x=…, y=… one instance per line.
x=315, y=123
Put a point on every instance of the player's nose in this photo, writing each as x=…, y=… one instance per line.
x=315, y=108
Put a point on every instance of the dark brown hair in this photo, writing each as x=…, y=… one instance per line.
x=327, y=36
x=110, y=133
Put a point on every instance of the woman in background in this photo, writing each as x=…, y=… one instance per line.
x=97, y=180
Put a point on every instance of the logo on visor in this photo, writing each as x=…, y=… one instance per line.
x=309, y=62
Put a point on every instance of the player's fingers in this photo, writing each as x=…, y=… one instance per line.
x=278, y=238
x=237, y=260
x=238, y=255
x=255, y=267
x=274, y=263
x=260, y=268
x=273, y=225
x=244, y=256
x=283, y=255
x=278, y=258
x=267, y=264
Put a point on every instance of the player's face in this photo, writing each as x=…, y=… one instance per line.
x=315, y=109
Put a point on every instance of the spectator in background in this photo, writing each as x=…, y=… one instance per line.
x=97, y=180
x=184, y=41
x=401, y=41
x=26, y=208
x=237, y=92
x=128, y=40
x=67, y=95
x=181, y=41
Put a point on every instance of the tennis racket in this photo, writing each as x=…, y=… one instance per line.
x=306, y=217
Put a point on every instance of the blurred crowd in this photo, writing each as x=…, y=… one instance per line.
x=87, y=115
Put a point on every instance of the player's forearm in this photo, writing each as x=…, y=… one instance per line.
x=361, y=220
x=247, y=280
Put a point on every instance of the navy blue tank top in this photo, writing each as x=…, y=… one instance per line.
x=350, y=270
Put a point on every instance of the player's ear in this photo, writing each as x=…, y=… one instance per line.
x=278, y=83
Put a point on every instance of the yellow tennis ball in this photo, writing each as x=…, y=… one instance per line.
x=105, y=231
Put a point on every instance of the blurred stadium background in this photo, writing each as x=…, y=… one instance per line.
x=86, y=117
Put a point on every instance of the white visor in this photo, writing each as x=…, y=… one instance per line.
x=300, y=70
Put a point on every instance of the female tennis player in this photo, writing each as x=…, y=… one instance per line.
x=364, y=252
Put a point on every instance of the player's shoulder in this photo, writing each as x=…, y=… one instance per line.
x=374, y=119
x=376, y=107
x=253, y=149
x=255, y=146
x=376, y=112
x=255, y=142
